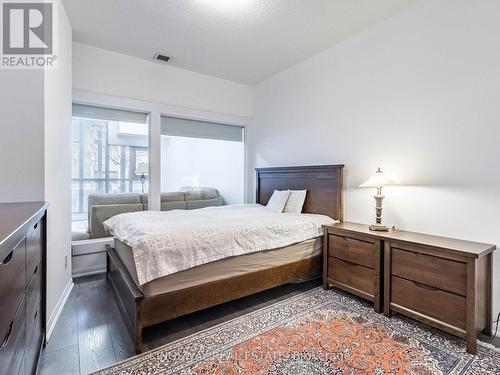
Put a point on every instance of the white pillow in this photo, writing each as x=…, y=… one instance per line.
x=295, y=201
x=278, y=200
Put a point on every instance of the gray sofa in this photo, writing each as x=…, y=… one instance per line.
x=103, y=206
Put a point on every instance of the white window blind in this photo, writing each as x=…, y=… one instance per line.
x=180, y=127
x=109, y=114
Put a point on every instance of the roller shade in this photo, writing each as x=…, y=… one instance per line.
x=200, y=129
x=110, y=114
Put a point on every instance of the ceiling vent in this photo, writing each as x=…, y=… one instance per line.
x=161, y=58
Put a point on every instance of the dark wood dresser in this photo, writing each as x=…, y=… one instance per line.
x=444, y=282
x=22, y=286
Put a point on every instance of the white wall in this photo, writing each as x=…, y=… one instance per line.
x=110, y=73
x=35, y=146
x=21, y=139
x=58, y=91
x=417, y=95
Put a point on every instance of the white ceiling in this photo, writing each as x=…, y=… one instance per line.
x=239, y=40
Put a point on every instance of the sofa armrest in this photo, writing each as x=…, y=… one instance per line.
x=99, y=214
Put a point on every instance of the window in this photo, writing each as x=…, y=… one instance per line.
x=110, y=155
x=199, y=153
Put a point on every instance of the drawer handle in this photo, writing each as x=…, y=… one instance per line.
x=7, y=337
x=423, y=286
x=36, y=270
x=351, y=263
x=36, y=314
x=36, y=225
x=8, y=258
x=356, y=240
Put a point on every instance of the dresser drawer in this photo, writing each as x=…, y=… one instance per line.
x=33, y=298
x=12, y=284
x=352, y=275
x=12, y=343
x=435, y=303
x=34, y=345
x=352, y=250
x=437, y=272
x=34, y=247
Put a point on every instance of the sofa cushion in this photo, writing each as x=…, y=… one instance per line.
x=202, y=203
x=167, y=206
x=122, y=198
x=99, y=214
x=100, y=199
x=193, y=193
x=174, y=196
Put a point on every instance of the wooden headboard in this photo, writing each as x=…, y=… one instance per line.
x=324, y=184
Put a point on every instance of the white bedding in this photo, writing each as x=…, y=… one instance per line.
x=165, y=242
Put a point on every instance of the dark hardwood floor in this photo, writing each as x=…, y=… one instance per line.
x=90, y=333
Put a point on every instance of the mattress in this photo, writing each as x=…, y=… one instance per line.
x=168, y=242
x=221, y=269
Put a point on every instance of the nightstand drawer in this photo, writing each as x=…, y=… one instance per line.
x=352, y=275
x=352, y=250
x=437, y=272
x=435, y=303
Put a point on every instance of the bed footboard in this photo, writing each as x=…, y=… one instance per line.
x=141, y=311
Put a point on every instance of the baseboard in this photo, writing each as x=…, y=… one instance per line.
x=51, y=323
x=99, y=271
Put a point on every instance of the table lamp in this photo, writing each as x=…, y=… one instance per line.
x=378, y=180
x=142, y=169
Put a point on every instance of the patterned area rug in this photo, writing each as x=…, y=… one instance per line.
x=316, y=332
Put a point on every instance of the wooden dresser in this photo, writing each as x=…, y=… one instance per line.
x=444, y=282
x=22, y=286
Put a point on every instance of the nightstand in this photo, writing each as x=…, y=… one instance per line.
x=443, y=282
x=352, y=261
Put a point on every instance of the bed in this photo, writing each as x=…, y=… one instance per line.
x=156, y=300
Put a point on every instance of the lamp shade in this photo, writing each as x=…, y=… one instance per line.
x=142, y=168
x=378, y=179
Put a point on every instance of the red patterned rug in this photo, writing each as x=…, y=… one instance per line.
x=317, y=332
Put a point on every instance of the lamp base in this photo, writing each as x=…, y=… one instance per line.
x=379, y=227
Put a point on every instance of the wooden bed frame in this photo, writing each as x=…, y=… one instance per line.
x=325, y=196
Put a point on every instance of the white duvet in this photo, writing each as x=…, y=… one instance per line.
x=171, y=241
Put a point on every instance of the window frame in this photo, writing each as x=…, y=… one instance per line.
x=104, y=177
x=155, y=110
